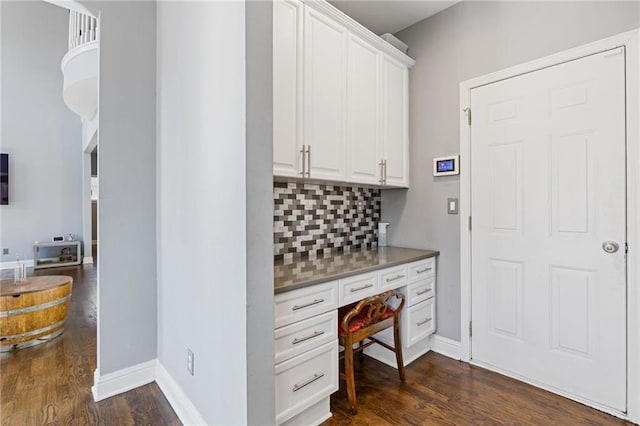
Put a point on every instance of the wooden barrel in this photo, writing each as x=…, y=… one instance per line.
x=33, y=311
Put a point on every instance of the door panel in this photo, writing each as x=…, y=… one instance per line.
x=325, y=81
x=287, y=88
x=548, y=187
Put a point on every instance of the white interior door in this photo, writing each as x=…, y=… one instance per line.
x=548, y=189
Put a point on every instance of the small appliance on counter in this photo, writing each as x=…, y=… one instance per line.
x=382, y=234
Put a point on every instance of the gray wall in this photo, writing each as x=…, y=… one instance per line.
x=202, y=205
x=41, y=135
x=259, y=213
x=468, y=40
x=127, y=286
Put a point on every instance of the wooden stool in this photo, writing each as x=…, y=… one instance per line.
x=361, y=321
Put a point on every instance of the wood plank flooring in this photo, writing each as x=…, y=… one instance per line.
x=51, y=384
x=442, y=391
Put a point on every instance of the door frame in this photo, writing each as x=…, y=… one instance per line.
x=629, y=40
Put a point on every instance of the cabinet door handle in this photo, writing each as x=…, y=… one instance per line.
x=306, y=305
x=420, y=293
x=421, y=271
x=353, y=290
x=307, y=382
x=397, y=277
x=304, y=164
x=381, y=164
x=309, y=161
x=426, y=320
x=385, y=172
x=303, y=339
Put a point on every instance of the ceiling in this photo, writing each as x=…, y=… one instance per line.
x=390, y=16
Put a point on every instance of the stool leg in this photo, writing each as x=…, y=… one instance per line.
x=349, y=376
x=398, y=347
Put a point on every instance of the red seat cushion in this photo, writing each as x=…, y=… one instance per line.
x=360, y=320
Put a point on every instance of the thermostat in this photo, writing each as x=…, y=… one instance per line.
x=446, y=166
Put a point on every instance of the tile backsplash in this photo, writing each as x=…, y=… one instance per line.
x=312, y=219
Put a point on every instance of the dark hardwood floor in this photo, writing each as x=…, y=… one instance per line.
x=442, y=391
x=51, y=384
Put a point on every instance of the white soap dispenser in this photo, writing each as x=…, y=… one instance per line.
x=382, y=233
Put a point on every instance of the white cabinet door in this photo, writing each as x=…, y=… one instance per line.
x=325, y=96
x=363, y=101
x=287, y=88
x=395, y=140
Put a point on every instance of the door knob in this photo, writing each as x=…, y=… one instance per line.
x=610, y=246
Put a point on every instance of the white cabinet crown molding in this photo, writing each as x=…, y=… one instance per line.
x=361, y=31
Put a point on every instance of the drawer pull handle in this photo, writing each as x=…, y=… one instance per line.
x=422, y=271
x=306, y=305
x=420, y=293
x=419, y=323
x=315, y=334
x=310, y=380
x=397, y=277
x=364, y=287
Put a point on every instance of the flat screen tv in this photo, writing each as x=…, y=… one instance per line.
x=4, y=178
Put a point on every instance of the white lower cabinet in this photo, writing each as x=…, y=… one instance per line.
x=306, y=334
x=419, y=322
x=306, y=353
x=306, y=379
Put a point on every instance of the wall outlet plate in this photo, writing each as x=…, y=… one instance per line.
x=5, y=251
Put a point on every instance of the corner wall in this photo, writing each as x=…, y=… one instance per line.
x=468, y=40
x=202, y=204
x=41, y=135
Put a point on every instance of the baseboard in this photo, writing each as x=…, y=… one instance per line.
x=181, y=404
x=446, y=346
x=124, y=380
x=12, y=263
x=87, y=259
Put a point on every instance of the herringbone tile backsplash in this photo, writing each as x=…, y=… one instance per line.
x=315, y=219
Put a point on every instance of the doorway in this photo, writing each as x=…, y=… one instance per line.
x=548, y=163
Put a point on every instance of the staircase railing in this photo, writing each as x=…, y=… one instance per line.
x=82, y=29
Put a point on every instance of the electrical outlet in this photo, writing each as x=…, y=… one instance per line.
x=5, y=251
x=360, y=205
x=190, y=361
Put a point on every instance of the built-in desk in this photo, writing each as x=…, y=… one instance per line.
x=308, y=293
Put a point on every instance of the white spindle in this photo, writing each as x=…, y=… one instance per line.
x=82, y=29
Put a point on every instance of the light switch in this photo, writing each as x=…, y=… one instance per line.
x=452, y=205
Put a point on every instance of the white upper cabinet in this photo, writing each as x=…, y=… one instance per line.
x=287, y=88
x=340, y=98
x=363, y=113
x=325, y=121
x=395, y=115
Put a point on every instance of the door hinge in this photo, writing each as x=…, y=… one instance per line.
x=468, y=111
x=469, y=223
x=626, y=248
x=470, y=329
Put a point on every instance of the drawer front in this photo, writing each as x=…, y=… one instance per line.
x=395, y=277
x=306, y=379
x=302, y=336
x=356, y=288
x=422, y=269
x=421, y=290
x=296, y=305
x=419, y=322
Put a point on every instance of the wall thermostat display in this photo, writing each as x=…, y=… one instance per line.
x=446, y=166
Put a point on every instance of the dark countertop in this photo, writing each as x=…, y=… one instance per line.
x=294, y=274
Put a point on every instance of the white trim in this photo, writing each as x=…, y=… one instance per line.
x=445, y=346
x=354, y=27
x=108, y=385
x=630, y=41
x=181, y=404
x=87, y=260
x=12, y=263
